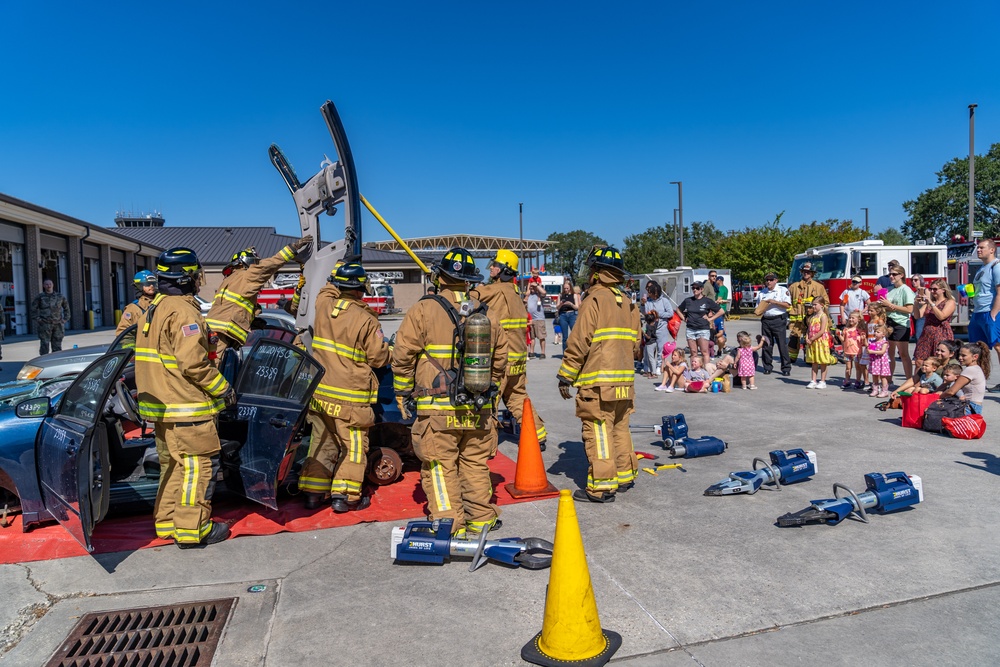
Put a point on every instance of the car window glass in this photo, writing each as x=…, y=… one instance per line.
x=125, y=340
x=276, y=370
x=83, y=400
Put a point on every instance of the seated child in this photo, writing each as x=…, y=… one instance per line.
x=674, y=367
x=695, y=379
x=929, y=380
x=951, y=371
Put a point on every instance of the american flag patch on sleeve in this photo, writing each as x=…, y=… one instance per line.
x=190, y=329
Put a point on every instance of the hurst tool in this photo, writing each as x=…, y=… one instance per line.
x=674, y=432
x=885, y=493
x=788, y=467
x=432, y=542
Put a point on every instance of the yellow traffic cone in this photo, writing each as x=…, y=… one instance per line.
x=571, y=630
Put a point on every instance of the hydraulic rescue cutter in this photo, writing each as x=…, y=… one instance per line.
x=886, y=493
x=432, y=542
x=674, y=431
x=788, y=467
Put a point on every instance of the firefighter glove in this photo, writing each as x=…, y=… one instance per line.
x=230, y=398
x=303, y=249
x=564, y=389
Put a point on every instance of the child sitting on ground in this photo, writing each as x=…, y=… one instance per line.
x=673, y=370
x=929, y=381
x=951, y=371
x=694, y=380
x=746, y=368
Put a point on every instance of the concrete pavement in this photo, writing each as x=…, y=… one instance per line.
x=682, y=577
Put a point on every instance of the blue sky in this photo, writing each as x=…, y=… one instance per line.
x=458, y=111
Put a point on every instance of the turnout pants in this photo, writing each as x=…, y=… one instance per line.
x=189, y=461
x=513, y=392
x=774, y=329
x=338, y=452
x=797, y=330
x=606, y=437
x=453, y=452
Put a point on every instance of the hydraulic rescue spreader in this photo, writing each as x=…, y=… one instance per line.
x=886, y=493
x=432, y=542
x=788, y=467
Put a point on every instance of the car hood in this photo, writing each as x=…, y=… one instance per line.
x=77, y=354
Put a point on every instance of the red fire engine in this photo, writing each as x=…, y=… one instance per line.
x=835, y=264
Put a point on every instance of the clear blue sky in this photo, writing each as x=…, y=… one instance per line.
x=458, y=111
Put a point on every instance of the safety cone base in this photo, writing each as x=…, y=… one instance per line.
x=517, y=494
x=533, y=654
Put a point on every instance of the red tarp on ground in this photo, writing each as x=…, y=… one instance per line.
x=401, y=500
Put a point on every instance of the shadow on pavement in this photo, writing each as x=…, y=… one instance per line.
x=572, y=463
x=991, y=462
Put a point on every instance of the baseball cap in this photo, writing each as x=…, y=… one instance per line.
x=807, y=266
x=697, y=285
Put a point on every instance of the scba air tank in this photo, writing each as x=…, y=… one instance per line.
x=476, y=363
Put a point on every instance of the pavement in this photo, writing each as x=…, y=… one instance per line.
x=682, y=577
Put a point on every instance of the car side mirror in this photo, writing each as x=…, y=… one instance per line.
x=33, y=408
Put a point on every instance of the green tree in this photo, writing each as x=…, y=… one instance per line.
x=943, y=211
x=893, y=236
x=650, y=250
x=700, y=239
x=571, y=251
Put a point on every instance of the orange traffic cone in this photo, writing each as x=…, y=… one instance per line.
x=530, y=480
x=571, y=630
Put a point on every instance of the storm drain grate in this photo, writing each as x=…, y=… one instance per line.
x=177, y=635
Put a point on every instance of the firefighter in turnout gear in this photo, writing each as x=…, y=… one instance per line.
x=441, y=350
x=180, y=392
x=504, y=302
x=802, y=292
x=348, y=342
x=234, y=304
x=145, y=287
x=600, y=361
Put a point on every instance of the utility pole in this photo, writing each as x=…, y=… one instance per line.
x=972, y=169
x=680, y=216
x=865, y=209
x=520, y=247
x=676, y=236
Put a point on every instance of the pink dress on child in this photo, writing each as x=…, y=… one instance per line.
x=878, y=364
x=745, y=367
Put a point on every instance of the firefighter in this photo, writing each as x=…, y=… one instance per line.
x=180, y=392
x=452, y=435
x=802, y=292
x=233, y=308
x=145, y=287
x=505, y=304
x=348, y=342
x=600, y=361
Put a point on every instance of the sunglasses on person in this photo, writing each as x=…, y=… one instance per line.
x=895, y=273
x=696, y=288
x=855, y=282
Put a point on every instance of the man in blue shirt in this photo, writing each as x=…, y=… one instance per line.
x=984, y=324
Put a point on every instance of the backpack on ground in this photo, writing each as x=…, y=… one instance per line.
x=949, y=406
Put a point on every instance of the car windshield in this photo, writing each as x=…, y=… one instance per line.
x=829, y=266
x=553, y=290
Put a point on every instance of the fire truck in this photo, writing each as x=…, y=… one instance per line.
x=836, y=263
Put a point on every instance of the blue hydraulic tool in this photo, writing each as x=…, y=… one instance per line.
x=788, y=467
x=674, y=431
x=886, y=493
x=432, y=542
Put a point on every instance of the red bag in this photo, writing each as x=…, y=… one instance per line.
x=914, y=407
x=969, y=427
x=674, y=324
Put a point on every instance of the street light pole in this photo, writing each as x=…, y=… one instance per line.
x=675, y=230
x=680, y=216
x=972, y=168
x=865, y=209
x=520, y=246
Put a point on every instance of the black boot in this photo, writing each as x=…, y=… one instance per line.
x=622, y=488
x=219, y=533
x=314, y=500
x=581, y=494
x=339, y=504
x=363, y=503
x=541, y=445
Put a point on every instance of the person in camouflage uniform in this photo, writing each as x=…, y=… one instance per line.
x=50, y=313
